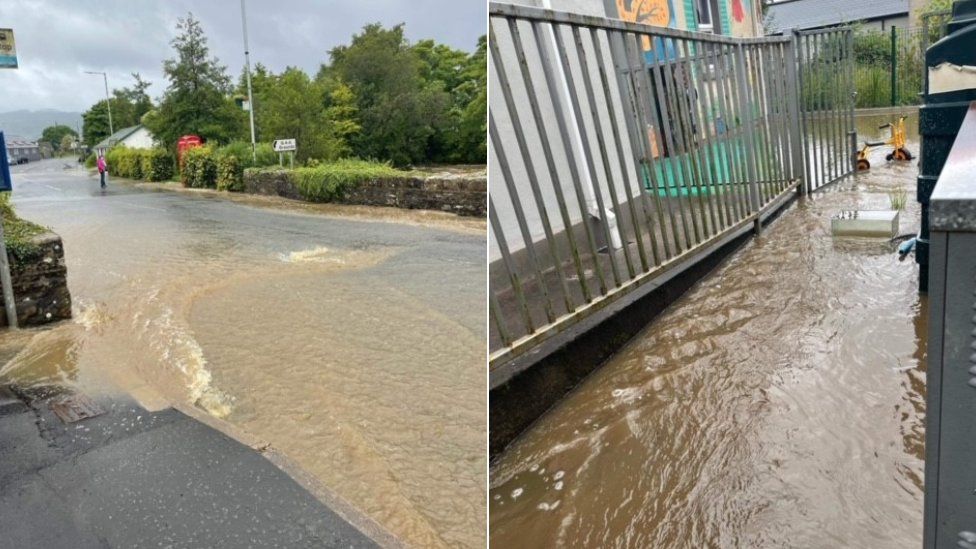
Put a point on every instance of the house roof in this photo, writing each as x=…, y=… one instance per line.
x=14, y=142
x=117, y=137
x=812, y=14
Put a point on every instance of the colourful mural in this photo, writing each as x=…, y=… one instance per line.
x=659, y=13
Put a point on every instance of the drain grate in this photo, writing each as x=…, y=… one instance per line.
x=75, y=407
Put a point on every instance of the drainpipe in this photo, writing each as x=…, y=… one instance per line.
x=591, y=203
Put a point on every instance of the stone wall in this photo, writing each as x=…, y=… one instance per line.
x=462, y=194
x=40, y=285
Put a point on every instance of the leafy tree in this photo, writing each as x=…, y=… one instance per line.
x=129, y=105
x=342, y=116
x=292, y=107
x=55, y=135
x=399, y=115
x=67, y=142
x=197, y=100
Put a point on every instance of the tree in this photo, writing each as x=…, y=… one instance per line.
x=398, y=114
x=342, y=116
x=129, y=105
x=292, y=107
x=197, y=100
x=67, y=142
x=55, y=135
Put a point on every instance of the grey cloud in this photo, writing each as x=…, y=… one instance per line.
x=57, y=40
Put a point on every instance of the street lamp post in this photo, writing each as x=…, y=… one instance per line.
x=108, y=101
x=247, y=72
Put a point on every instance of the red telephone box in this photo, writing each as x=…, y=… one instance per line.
x=186, y=143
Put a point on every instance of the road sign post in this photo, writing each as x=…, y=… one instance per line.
x=6, y=185
x=286, y=146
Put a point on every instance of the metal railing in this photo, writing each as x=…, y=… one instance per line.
x=620, y=152
x=826, y=79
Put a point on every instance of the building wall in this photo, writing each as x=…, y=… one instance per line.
x=140, y=139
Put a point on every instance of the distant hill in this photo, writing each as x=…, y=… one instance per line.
x=30, y=124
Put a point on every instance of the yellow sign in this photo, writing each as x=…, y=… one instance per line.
x=8, y=51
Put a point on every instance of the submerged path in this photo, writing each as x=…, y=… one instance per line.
x=355, y=347
x=779, y=403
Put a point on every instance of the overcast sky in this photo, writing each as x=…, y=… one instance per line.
x=57, y=40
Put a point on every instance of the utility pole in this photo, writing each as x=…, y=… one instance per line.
x=247, y=72
x=108, y=100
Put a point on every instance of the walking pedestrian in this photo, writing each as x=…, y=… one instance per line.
x=102, y=168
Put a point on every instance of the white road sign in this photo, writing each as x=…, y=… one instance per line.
x=284, y=145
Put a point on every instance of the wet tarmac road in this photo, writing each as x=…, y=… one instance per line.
x=780, y=403
x=354, y=347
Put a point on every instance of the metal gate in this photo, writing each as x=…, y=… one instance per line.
x=825, y=69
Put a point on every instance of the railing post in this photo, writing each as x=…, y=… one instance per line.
x=741, y=76
x=797, y=151
x=894, y=66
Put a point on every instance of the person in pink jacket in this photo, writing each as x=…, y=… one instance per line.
x=102, y=168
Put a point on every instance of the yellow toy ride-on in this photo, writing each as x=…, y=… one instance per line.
x=897, y=142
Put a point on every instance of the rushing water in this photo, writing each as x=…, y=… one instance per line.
x=354, y=347
x=779, y=403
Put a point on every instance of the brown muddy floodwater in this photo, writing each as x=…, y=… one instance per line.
x=780, y=403
x=356, y=348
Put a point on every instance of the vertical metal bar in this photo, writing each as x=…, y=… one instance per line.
x=557, y=188
x=533, y=179
x=894, y=66
x=735, y=72
x=10, y=306
x=692, y=97
x=852, y=97
x=666, y=130
x=775, y=71
x=602, y=148
x=731, y=132
x=699, y=78
x=821, y=110
x=712, y=149
x=510, y=269
x=588, y=161
x=797, y=156
x=653, y=103
x=621, y=157
x=679, y=118
x=760, y=99
x=587, y=150
x=499, y=320
x=741, y=76
x=802, y=84
x=520, y=213
x=636, y=128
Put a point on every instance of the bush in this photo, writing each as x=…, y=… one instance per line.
x=18, y=233
x=157, y=165
x=329, y=182
x=91, y=160
x=123, y=162
x=242, y=150
x=199, y=168
x=230, y=173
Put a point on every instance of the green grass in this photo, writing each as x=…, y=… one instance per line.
x=329, y=182
x=19, y=232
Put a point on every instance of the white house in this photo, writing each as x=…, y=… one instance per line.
x=133, y=137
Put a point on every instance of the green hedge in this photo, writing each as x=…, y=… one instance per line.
x=91, y=160
x=230, y=173
x=199, y=168
x=329, y=182
x=157, y=165
x=148, y=164
x=18, y=233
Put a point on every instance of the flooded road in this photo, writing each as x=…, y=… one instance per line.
x=356, y=348
x=780, y=403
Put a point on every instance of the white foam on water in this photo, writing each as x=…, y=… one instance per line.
x=319, y=254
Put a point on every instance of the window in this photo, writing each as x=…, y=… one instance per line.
x=704, y=11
